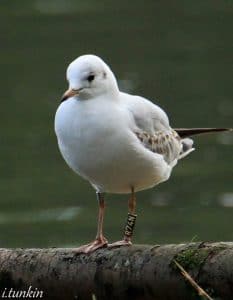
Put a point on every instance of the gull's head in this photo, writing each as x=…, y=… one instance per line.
x=89, y=76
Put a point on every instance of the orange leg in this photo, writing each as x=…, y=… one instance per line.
x=130, y=223
x=100, y=241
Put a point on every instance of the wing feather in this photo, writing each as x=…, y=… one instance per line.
x=153, y=130
x=168, y=144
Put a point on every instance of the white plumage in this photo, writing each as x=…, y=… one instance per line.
x=99, y=132
x=119, y=142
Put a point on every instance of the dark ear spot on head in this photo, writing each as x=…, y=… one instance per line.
x=104, y=74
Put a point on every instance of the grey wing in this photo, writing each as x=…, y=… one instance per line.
x=154, y=132
x=147, y=115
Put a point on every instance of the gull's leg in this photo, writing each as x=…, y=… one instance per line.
x=130, y=223
x=100, y=241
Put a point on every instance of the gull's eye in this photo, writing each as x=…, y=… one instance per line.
x=91, y=78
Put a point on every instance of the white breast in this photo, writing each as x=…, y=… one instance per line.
x=101, y=147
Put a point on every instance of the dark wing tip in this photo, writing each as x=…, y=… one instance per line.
x=186, y=132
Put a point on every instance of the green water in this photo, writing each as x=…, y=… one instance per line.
x=179, y=53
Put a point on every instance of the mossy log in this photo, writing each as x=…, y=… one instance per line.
x=135, y=272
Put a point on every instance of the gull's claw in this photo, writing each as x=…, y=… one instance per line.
x=96, y=244
x=120, y=244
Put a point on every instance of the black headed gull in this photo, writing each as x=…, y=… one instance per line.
x=119, y=142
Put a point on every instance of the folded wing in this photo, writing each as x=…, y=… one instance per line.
x=154, y=132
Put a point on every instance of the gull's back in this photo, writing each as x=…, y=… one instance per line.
x=147, y=115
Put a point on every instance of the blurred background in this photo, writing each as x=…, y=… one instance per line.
x=176, y=53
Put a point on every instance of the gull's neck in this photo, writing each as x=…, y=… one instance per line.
x=112, y=88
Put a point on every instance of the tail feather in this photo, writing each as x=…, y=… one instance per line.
x=187, y=147
x=186, y=132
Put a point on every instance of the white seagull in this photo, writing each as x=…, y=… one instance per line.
x=119, y=142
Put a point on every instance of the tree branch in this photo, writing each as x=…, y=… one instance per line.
x=134, y=272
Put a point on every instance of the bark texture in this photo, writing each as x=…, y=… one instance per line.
x=135, y=272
